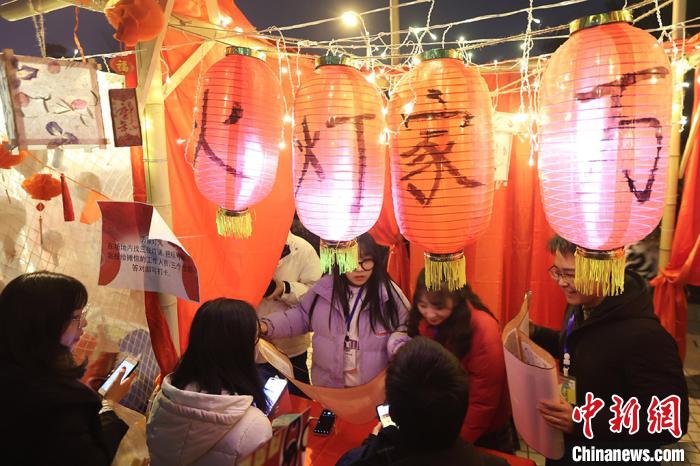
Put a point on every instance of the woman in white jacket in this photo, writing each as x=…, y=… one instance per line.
x=207, y=412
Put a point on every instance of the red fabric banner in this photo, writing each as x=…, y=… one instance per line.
x=670, y=302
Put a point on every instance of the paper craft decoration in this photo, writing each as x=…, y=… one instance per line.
x=338, y=158
x=49, y=102
x=604, y=137
x=442, y=159
x=125, y=117
x=140, y=252
x=354, y=404
x=532, y=377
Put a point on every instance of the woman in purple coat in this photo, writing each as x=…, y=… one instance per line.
x=358, y=319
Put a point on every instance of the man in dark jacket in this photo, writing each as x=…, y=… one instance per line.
x=427, y=393
x=611, y=346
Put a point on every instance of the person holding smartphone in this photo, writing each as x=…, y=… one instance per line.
x=426, y=393
x=49, y=416
x=210, y=410
x=358, y=319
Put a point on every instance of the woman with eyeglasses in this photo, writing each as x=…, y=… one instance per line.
x=358, y=319
x=210, y=410
x=49, y=416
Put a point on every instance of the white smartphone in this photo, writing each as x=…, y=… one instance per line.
x=274, y=388
x=383, y=415
x=130, y=363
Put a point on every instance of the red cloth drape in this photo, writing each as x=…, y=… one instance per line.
x=511, y=257
x=670, y=302
x=386, y=232
x=227, y=267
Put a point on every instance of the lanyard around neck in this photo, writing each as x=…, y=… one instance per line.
x=348, y=318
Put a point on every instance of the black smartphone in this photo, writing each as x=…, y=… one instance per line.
x=383, y=415
x=325, y=423
x=274, y=388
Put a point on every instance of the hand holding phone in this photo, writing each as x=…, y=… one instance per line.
x=274, y=388
x=325, y=423
x=119, y=382
x=383, y=415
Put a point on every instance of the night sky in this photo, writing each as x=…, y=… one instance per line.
x=96, y=34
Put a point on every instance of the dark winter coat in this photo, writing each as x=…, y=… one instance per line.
x=386, y=449
x=47, y=420
x=621, y=349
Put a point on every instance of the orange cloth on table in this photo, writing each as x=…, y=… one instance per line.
x=42, y=187
x=670, y=302
x=489, y=402
x=135, y=20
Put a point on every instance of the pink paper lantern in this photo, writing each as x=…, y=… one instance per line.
x=604, y=135
x=339, y=162
x=239, y=130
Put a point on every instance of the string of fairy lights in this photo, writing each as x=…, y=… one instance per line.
x=375, y=56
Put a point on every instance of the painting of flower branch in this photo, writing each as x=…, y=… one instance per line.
x=55, y=103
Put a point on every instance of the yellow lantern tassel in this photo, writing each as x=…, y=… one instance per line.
x=238, y=224
x=344, y=254
x=600, y=273
x=445, y=269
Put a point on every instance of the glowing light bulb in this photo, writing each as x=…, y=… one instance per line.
x=284, y=70
x=408, y=108
x=181, y=140
x=287, y=118
x=349, y=18
x=224, y=20
x=238, y=29
x=432, y=36
x=281, y=145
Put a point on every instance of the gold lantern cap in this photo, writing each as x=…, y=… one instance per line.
x=245, y=51
x=342, y=60
x=618, y=16
x=439, y=53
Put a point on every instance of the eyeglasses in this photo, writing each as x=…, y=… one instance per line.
x=558, y=275
x=366, y=265
x=83, y=315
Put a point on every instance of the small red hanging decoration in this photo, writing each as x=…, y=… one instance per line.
x=122, y=64
x=42, y=187
x=68, y=212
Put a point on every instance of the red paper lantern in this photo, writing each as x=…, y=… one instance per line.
x=442, y=161
x=339, y=146
x=239, y=131
x=604, y=133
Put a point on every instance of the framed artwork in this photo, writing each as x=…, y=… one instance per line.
x=49, y=102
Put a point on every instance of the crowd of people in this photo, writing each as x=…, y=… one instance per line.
x=446, y=383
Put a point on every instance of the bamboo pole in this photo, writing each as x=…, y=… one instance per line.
x=155, y=150
x=668, y=222
x=394, y=28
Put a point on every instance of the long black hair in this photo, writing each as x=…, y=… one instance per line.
x=221, y=351
x=456, y=331
x=387, y=314
x=35, y=309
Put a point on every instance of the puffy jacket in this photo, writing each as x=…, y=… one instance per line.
x=328, y=324
x=192, y=428
x=620, y=349
x=48, y=420
x=301, y=268
x=489, y=403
